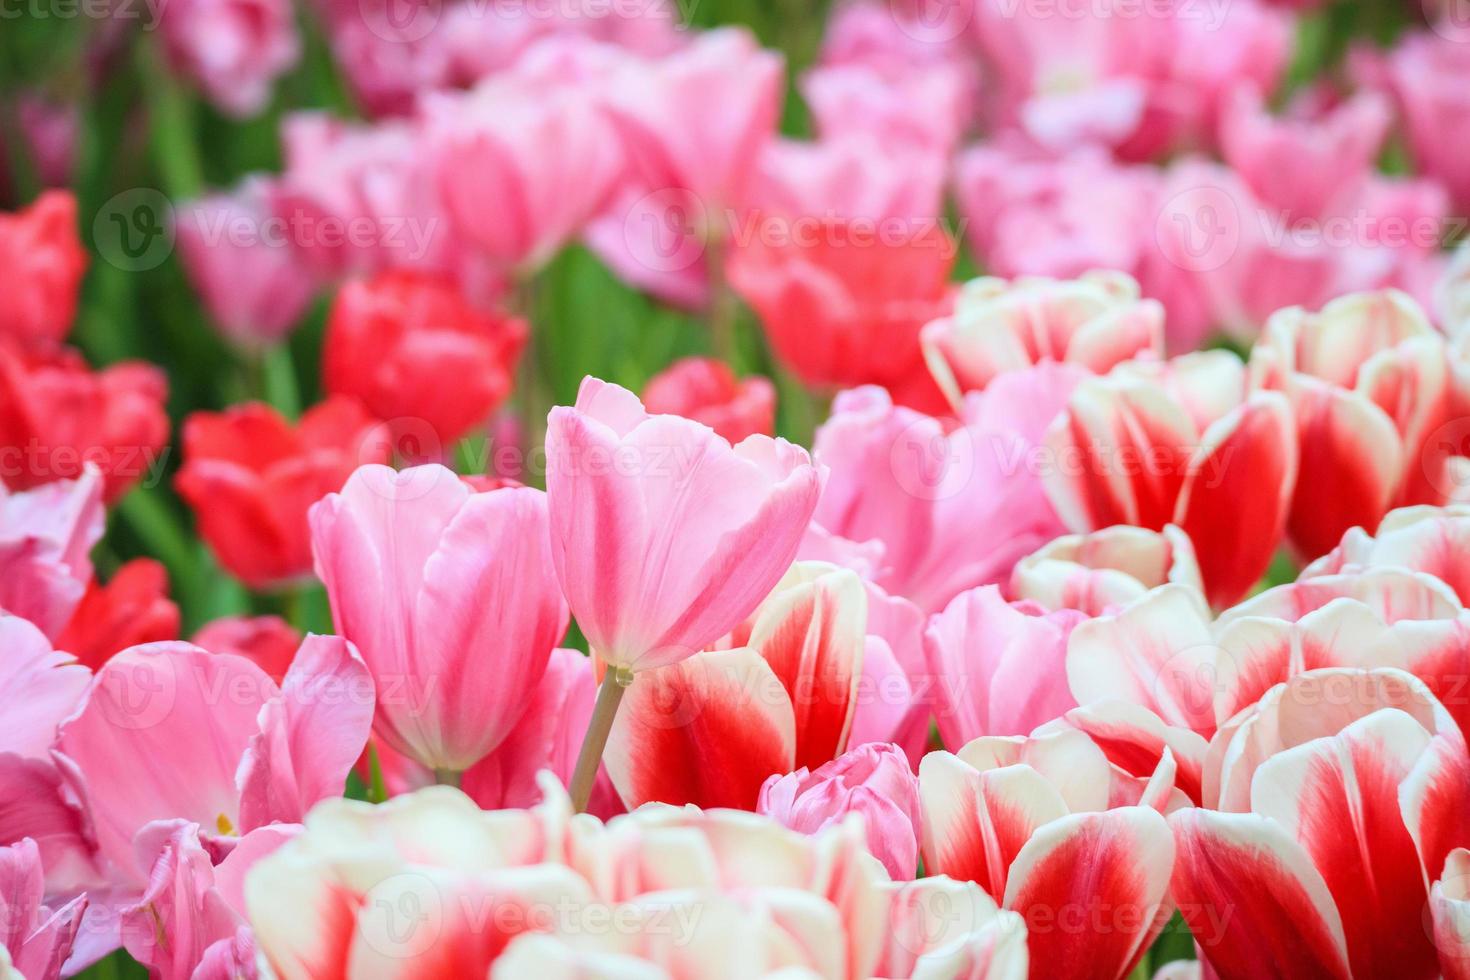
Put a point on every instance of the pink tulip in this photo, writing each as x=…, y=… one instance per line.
x=1274, y=156
x=910, y=482
x=232, y=49
x=39, y=688
x=35, y=939
x=655, y=520
x=1029, y=820
x=1182, y=443
x=450, y=597
x=168, y=730
x=46, y=535
x=872, y=780
x=1001, y=665
x=247, y=275
x=1031, y=213
x=897, y=693
x=540, y=157
x=1095, y=572
x=188, y=923
x=662, y=109
x=856, y=176
x=705, y=390
x=1096, y=321
x=1335, y=896
x=1426, y=73
x=923, y=107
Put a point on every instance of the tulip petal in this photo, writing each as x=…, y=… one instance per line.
x=1449, y=905
x=708, y=730
x=1435, y=800
x=1093, y=889
x=1255, y=903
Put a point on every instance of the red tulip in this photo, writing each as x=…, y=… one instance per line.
x=43, y=261
x=705, y=390
x=131, y=609
x=250, y=477
x=843, y=305
x=56, y=415
x=411, y=348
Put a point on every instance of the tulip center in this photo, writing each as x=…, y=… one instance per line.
x=224, y=826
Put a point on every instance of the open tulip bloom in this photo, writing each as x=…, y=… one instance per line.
x=912, y=490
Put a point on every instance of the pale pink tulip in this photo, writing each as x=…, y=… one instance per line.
x=451, y=598
x=46, y=535
x=1096, y=322
x=35, y=939
x=39, y=687
x=921, y=487
x=1452, y=295
x=857, y=176
x=540, y=157
x=1029, y=821
x=1181, y=443
x=921, y=107
x=232, y=49
x=1433, y=540
x=944, y=928
x=1000, y=666
x=1426, y=73
x=247, y=275
x=664, y=536
x=1336, y=895
x=168, y=730
x=1115, y=566
x=898, y=695
x=874, y=781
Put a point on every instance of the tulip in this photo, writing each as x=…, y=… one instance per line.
x=897, y=696
x=852, y=177
x=1029, y=820
x=46, y=537
x=918, y=487
x=251, y=477
x=1426, y=75
x=1274, y=156
x=269, y=642
x=56, y=416
x=189, y=920
x=35, y=939
x=40, y=248
x=40, y=688
x=370, y=181
x=232, y=49
x=168, y=730
x=780, y=692
x=1449, y=903
x=1334, y=897
x=1452, y=295
x=1181, y=443
x=1096, y=321
x=1002, y=665
x=872, y=780
x=622, y=487
x=541, y=157
x=919, y=106
x=251, y=282
x=681, y=884
x=452, y=600
x=131, y=609
x=392, y=340
x=705, y=390
x=49, y=128
x=1432, y=540
x=843, y=305
x=1371, y=383
x=1028, y=213
x=1095, y=572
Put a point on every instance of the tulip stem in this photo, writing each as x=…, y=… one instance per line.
x=609, y=695
x=448, y=777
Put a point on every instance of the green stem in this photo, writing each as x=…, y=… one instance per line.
x=377, y=789
x=278, y=380
x=723, y=306
x=448, y=777
x=609, y=696
x=170, y=125
x=163, y=537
